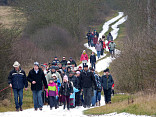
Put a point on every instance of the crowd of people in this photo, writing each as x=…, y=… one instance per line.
x=100, y=44
x=61, y=83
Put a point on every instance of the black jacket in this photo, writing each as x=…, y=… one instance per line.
x=39, y=78
x=74, y=80
x=66, y=88
x=107, y=82
x=87, y=80
x=92, y=59
x=17, y=79
x=64, y=62
x=73, y=62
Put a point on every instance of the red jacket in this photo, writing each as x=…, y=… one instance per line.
x=95, y=40
x=108, y=44
x=104, y=45
x=84, y=57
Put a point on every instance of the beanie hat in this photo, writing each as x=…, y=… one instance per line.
x=65, y=77
x=78, y=72
x=16, y=64
x=51, y=79
x=36, y=63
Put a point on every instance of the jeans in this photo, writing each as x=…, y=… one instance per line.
x=18, y=93
x=112, y=52
x=65, y=100
x=87, y=96
x=98, y=96
x=107, y=94
x=37, y=99
x=94, y=98
x=98, y=54
x=93, y=65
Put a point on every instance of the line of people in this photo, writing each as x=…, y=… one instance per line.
x=100, y=44
x=60, y=83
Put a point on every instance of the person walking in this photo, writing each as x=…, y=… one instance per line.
x=84, y=58
x=17, y=80
x=107, y=82
x=66, y=90
x=109, y=37
x=112, y=47
x=51, y=93
x=36, y=77
x=98, y=48
x=87, y=80
x=95, y=40
x=93, y=60
x=89, y=38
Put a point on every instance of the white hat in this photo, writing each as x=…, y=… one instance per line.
x=53, y=75
x=36, y=63
x=16, y=64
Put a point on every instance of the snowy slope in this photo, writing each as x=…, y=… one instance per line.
x=77, y=112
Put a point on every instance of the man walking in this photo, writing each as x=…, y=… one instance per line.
x=36, y=77
x=87, y=80
x=17, y=80
x=107, y=82
x=112, y=47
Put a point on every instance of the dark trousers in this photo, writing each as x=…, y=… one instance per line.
x=84, y=65
x=89, y=43
x=93, y=65
x=107, y=94
x=77, y=98
x=65, y=100
x=87, y=96
x=113, y=92
x=52, y=101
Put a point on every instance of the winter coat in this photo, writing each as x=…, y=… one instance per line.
x=89, y=36
x=74, y=91
x=73, y=62
x=108, y=44
x=87, y=80
x=107, y=82
x=109, y=37
x=112, y=46
x=17, y=79
x=74, y=80
x=49, y=75
x=84, y=57
x=56, y=61
x=92, y=59
x=39, y=78
x=52, y=90
x=64, y=62
x=57, y=82
x=95, y=40
x=98, y=47
x=104, y=45
x=97, y=34
x=66, y=88
x=98, y=82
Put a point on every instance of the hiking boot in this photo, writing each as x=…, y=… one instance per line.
x=17, y=109
x=50, y=108
x=40, y=109
x=109, y=102
x=35, y=109
x=21, y=109
x=99, y=103
x=55, y=107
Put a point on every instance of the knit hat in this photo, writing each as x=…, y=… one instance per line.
x=65, y=77
x=51, y=79
x=53, y=67
x=80, y=67
x=70, y=58
x=36, y=63
x=78, y=72
x=16, y=64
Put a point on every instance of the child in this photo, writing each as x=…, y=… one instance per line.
x=57, y=82
x=66, y=90
x=72, y=98
x=52, y=92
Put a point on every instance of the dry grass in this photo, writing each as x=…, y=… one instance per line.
x=142, y=105
x=10, y=17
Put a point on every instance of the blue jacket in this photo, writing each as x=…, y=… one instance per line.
x=17, y=79
x=107, y=82
x=58, y=83
x=74, y=91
